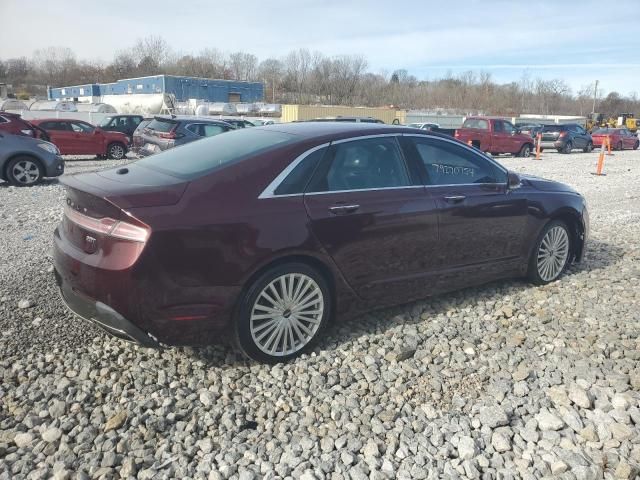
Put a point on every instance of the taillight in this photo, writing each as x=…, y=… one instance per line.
x=562, y=134
x=109, y=226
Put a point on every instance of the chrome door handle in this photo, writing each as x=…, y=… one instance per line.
x=343, y=209
x=454, y=198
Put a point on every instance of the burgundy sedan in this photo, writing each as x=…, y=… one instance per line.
x=274, y=232
x=620, y=138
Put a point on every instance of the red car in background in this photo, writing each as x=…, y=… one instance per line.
x=16, y=125
x=75, y=137
x=495, y=135
x=621, y=138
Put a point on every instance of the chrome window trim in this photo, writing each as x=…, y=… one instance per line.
x=363, y=190
x=269, y=192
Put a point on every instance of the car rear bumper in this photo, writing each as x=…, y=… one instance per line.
x=102, y=315
x=551, y=144
x=141, y=302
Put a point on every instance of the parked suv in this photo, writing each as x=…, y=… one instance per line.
x=565, y=138
x=26, y=161
x=76, y=137
x=238, y=122
x=340, y=118
x=15, y=124
x=163, y=133
x=126, y=124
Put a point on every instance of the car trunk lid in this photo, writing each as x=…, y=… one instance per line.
x=130, y=186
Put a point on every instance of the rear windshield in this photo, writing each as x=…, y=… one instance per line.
x=160, y=125
x=143, y=124
x=203, y=156
x=476, y=123
x=606, y=130
x=553, y=128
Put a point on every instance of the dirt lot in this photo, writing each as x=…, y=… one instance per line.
x=503, y=381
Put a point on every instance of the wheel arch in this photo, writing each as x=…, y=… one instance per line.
x=573, y=220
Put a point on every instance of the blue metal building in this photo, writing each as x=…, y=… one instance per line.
x=184, y=88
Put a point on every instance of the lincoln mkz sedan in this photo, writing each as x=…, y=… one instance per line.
x=274, y=232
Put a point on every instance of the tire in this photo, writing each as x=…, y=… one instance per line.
x=636, y=145
x=116, y=151
x=525, y=151
x=23, y=171
x=260, y=316
x=588, y=148
x=619, y=146
x=567, y=148
x=555, y=238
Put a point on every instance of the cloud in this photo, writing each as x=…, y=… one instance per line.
x=423, y=36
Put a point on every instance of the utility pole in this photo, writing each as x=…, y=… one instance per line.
x=595, y=95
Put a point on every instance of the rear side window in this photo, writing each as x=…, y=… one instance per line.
x=450, y=164
x=161, y=125
x=476, y=123
x=362, y=164
x=199, y=158
x=297, y=180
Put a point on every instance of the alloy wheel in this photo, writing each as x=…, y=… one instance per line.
x=116, y=152
x=286, y=314
x=26, y=172
x=553, y=253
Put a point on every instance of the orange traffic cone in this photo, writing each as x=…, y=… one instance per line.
x=470, y=143
x=609, y=146
x=538, y=141
x=600, y=165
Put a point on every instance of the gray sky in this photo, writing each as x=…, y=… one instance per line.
x=580, y=41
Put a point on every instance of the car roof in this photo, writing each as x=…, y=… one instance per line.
x=187, y=118
x=335, y=130
x=40, y=120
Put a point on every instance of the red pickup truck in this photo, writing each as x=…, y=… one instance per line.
x=495, y=136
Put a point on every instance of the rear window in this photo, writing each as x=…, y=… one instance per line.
x=476, y=123
x=608, y=131
x=554, y=128
x=198, y=158
x=161, y=125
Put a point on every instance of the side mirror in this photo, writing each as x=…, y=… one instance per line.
x=513, y=181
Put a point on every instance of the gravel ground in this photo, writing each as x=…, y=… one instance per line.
x=503, y=381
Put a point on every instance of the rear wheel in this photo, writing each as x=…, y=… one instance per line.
x=636, y=145
x=567, y=147
x=588, y=148
x=23, y=171
x=116, y=151
x=525, y=151
x=283, y=313
x=551, y=253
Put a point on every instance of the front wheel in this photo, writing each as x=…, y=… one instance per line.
x=525, y=151
x=283, y=313
x=551, y=253
x=636, y=145
x=567, y=147
x=588, y=148
x=23, y=171
x=116, y=151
